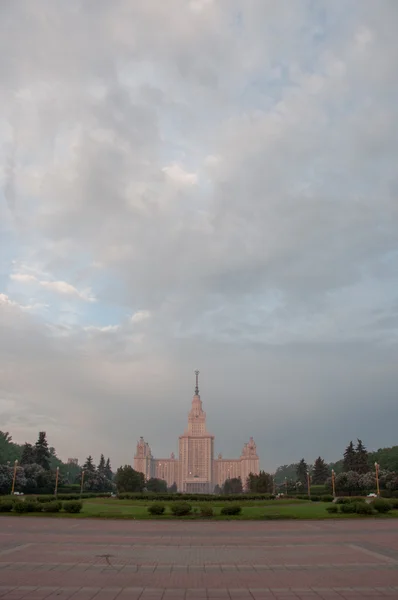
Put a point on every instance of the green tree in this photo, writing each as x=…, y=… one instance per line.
x=101, y=465
x=349, y=461
x=285, y=472
x=361, y=458
x=320, y=472
x=9, y=452
x=129, y=480
x=387, y=458
x=157, y=486
x=301, y=472
x=28, y=454
x=42, y=453
x=260, y=484
x=108, y=470
x=173, y=488
x=232, y=486
x=89, y=466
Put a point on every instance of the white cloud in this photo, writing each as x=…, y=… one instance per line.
x=139, y=316
x=59, y=287
x=62, y=287
x=179, y=176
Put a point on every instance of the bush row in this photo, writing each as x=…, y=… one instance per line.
x=32, y=506
x=181, y=509
x=360, y=507
x=194, y=497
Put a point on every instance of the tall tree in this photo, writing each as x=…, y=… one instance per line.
x=232, y=486
x=42, y=453
x=361, y=458
x=108, y=470
x=349, y=458
x=9, y=452
x=101, y=465
x=320, y=471
x=89, y=466
x=301, y=472
x=260, y=484
x=173, y=488
x=129, y=480
x=157, y=486
x=28, y=454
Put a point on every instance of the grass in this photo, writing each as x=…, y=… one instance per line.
x=112, y=508
x=272, y=509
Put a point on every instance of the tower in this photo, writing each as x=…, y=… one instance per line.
x=196, y=450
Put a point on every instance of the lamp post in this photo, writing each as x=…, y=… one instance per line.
x=14, y=477
x=286, y=485
x=273, y=484
x=334, y=483
x=377, y=478
x=82, y=483
x=309, y=484
x=56, y=482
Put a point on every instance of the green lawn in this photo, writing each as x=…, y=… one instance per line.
x=273, y=509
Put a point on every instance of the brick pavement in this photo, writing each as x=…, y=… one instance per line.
x=62, y=559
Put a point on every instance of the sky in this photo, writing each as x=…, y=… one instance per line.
x=199, y=184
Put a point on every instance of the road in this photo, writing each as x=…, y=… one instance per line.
x=82, y=559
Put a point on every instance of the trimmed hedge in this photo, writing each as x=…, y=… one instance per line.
x=332, y=509
x=51, y=507
x=206, y=511
x=156, y=509
x=381, y=506
x=181, y=509
x=193, y=497
x=27, y=506
x=72, y=506
x=233, y=509
x=6, y=505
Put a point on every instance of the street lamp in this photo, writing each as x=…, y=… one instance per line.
x=56, y=482
x=82, y=483
x=334, y=483
x=309, y=484
x=377, y=466
x=14, y=477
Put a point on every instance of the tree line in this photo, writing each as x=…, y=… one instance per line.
x=36, y=470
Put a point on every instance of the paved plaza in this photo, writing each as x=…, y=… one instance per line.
x=81, y=559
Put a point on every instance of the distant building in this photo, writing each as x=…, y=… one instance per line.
x=196, y=470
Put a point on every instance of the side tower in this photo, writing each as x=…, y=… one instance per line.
x=143, y=459
x=249, y=461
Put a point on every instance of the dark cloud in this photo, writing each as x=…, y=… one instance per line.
x=224, y=171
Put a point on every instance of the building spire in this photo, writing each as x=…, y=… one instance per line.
x=197, y=383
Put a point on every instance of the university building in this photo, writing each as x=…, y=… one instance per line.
x=196, y=470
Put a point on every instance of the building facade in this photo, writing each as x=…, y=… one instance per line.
x=196, y=470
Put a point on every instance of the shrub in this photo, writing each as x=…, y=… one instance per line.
x=342, y=501
x=327, y=498
x=72, y=506
x=381, y=506
x=233, y=509
x=394, y=503
x=350, y=507
x=52, y=507
x=206, y=511
x=180, y=509
x=44, y=499
x=315, y=498
x=6, y=505
x=361, y=508
x=27, y=506
x=156, y=509
x=332, y=509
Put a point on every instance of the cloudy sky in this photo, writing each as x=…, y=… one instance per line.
x=205, y=184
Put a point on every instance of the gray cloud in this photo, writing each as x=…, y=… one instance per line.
x=227, y=169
